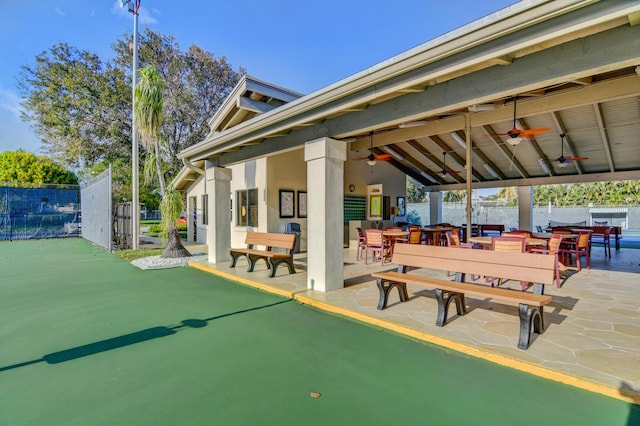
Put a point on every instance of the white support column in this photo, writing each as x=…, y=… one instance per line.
x=525, y=207
x=435, y=208
x=325, y=224
x=219, y=228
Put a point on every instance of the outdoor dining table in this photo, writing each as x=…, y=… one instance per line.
x=547, y=235
x=435, y=232
x=394, y=236
x=486, y=241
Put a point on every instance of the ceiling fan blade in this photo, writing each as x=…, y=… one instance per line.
x=576, y=158
x=528, y=133
x=382, y=157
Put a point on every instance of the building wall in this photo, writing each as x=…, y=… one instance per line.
x=287, y=171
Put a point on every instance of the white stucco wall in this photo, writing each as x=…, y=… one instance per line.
x=286, y=171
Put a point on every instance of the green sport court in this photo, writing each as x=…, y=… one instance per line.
x=88, y=339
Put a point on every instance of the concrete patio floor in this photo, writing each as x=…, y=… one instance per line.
x=592, y=336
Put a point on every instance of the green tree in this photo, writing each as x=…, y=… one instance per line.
x=414, y=191
x=80, y=105
x=26, y=168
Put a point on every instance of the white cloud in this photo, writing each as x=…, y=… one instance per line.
x=10, y=101
x=59, y=11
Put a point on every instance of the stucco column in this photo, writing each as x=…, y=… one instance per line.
x=525, y=207
x=219, y=227
x=325, y=223
x=435, y=208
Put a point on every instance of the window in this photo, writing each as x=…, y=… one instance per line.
x=247, y=207
x=205, y=209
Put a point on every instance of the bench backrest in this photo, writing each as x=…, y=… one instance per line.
x=271, y=240
x=537, y=268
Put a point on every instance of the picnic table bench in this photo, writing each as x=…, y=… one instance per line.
x=535, y=268
x=284, y=242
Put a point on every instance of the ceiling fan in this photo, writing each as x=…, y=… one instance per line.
x=564, y=161
x=372, y=158
x=444, y=170
x=516, y=135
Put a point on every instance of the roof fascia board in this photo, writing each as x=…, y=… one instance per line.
x=614, y=46
x=494, y=26
x=253, y=84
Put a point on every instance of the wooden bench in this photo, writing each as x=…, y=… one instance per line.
x=535, y=268
x=272, y=257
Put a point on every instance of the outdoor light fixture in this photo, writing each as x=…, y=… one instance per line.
x=544, y=166
x=133, y=6
x=427, y=176
x=412, y=124
x=481, y=107
x=456, y=137
x=490, y=170
x=393, y=153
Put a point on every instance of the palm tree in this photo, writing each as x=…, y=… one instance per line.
x=149, y=116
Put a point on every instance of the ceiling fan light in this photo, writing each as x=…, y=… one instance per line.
x=563, y=164
x=514, y=141
x=371, y=162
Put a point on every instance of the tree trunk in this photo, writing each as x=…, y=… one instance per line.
x=174, y=246
x=156, y=145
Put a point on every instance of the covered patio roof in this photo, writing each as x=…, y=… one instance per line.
x=573, y=66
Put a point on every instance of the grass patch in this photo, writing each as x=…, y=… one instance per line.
x=130, y=255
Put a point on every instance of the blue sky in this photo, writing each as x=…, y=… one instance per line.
x=300, y=45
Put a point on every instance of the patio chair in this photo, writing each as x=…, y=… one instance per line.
x=519, y=232
x=453, y=240
x=377, y=244
x=415, y=236
x=580, y=247
x=362, y=242
x=509, y=243
x=553, y=247
x=601, y=236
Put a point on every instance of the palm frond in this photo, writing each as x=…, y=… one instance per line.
x=149, y=104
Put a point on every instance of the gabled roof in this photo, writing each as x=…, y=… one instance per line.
x=572, y=64
x=249, y=98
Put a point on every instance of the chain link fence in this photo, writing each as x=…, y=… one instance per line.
x=42, y=211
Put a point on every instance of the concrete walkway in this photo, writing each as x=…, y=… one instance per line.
x=592, y=339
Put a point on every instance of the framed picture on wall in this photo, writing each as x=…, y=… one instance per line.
x=375, y=206
x=302, y=203
x=287, y=203
x=401, y=207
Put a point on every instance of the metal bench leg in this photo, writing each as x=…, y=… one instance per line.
x=529, y=316
x=385, y=287
x=234, y=258
x=273, y=265
x=252, y=258
x=444, y=299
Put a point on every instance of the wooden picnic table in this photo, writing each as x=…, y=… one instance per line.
x=435, y=232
